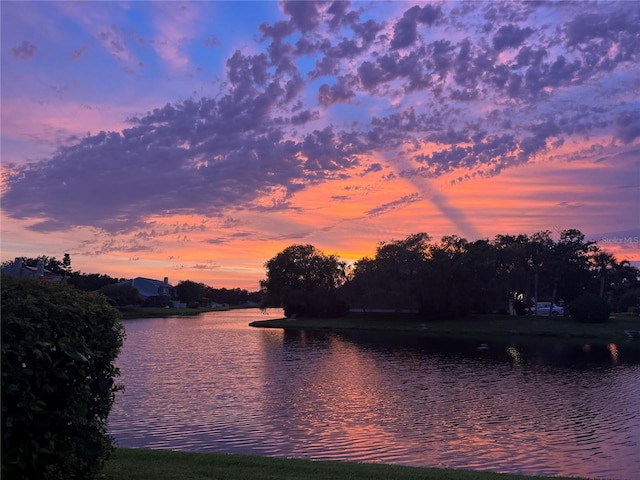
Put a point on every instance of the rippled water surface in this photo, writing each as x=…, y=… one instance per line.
x=212, y=383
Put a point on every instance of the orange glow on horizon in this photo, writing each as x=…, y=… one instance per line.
x=346, y=217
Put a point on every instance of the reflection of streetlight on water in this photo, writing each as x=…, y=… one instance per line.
x=516, y=358
x=613, y=350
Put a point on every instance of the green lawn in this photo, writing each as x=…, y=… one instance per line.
x=141, y=464
x=477, y=326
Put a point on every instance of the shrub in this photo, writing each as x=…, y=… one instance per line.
x=630, y=301
x=520, y=307
x=589, y=308
x=58, y=349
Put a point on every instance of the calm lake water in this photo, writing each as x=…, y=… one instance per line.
x=212, y=383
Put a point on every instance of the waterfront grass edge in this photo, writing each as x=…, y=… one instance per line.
x=131, y=313
x=473, y=327
x=142, y=464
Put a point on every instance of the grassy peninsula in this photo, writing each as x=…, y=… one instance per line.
x=142, y=464
x=474, y=327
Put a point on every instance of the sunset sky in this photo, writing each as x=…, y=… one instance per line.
x=197, y=140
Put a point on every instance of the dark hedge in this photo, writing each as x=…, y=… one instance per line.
x=58, y=351
x=589, y=308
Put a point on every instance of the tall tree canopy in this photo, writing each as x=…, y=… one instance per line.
x=303, y=281
x=191, y=292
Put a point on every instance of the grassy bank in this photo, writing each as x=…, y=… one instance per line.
x=150, y=312
x=141, y=464
x=478, y=326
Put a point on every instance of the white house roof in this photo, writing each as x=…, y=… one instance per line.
x=148, y=287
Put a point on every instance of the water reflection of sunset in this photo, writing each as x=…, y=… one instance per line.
x=352, y=398
x=213, y=384
x=333, y=398
x=613, y=349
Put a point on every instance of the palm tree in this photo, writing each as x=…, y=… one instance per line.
x=604, y=264
x=625, y=273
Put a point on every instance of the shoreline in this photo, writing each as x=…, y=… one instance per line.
x=161, y=312
x=473, y=327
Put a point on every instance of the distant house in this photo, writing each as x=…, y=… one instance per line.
x=20, y=270
x=153, y=292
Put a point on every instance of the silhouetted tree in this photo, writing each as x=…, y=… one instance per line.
x=539, y=252
x=456, y=277
x=66, y=264
x=446, y=292
x=191, y=292
x=604, y=264
x=571, y=263
x=233, y=296
x=482, y=286
x=512, y=276
x=298, y=277
x=121, y=295
x=90, y=282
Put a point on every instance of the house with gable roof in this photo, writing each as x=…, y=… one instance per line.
x=19, y=269
x=152, y=292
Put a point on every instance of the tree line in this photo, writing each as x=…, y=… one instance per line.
x=120, y=294
x=198, y=294
x=451, y=278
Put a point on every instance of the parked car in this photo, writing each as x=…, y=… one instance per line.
x=544, y=307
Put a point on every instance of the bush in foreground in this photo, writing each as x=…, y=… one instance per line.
x=58, y=349
x=589, y=308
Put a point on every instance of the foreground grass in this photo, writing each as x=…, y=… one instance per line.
x=476, y=327
x=141, y=464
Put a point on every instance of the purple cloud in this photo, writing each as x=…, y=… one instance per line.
x=484, y=82
x=330, y=94
x=304, y=15
x=627, y=125
x=26, y=51
x=405, y=31
x=78, y=54
x=395, y=204
x=510, y=36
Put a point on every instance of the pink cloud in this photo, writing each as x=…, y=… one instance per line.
x=33, y=129
x=175, y=25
